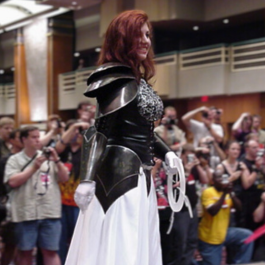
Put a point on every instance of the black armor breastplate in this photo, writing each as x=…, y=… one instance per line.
x=125, y=117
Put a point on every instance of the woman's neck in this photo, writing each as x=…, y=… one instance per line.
x=231, y=160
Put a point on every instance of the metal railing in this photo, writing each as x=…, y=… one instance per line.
x=248, y=55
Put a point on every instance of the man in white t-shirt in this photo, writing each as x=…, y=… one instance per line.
x=205, y=127
x=35, y=197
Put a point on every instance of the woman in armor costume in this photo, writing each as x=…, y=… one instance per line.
x=118, y=222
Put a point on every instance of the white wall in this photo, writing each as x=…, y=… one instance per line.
x=248, y=81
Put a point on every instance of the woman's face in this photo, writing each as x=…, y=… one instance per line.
x=234, y=150
x=247, y=122
x=144, y=43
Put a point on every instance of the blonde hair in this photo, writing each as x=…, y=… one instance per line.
x=6, y=120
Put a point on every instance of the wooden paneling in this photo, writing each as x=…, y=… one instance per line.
x=233, y=107
x=60, y=50
x=22, y=112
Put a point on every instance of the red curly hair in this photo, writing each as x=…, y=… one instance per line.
x=121, y=42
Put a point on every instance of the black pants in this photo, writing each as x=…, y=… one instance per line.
x=185, y=238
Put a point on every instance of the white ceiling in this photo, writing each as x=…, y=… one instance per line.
x=13, y=12
x=71, y=4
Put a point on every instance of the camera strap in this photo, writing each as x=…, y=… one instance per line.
x=29, y=162
x=7, y=186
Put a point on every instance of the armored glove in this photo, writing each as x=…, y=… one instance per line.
x=174, y=166
x=172, y=162
x=84, y=194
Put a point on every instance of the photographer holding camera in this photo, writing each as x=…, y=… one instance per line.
x=216, y=154
x=55, y=129
x=253, y=183
x=170, y=132
x=33, y=176
x=214, y=230
x=206, y=127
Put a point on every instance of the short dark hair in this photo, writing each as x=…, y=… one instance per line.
x=229, y=143
x=83, y=103
x=257, y=116
x=24, y=132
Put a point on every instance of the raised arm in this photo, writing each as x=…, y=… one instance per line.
x=237, y=125
x=188, y=116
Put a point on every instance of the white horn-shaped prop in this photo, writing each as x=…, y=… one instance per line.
x=178, y=170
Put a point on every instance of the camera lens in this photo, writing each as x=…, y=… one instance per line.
x=205, y=114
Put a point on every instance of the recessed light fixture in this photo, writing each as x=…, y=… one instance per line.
x=12, y=68
x=2, y=71
x=76, y=54
x=195, y=28
x=74, y=3
x=226, y=21
x=98, y=49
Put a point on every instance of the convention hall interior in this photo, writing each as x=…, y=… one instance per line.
x=207, y=53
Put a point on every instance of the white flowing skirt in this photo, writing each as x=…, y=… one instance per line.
x=128, y=234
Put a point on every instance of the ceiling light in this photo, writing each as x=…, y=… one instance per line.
x=98, y=49
x=18, y=25
x=195, y=28
x=2, y=71
x=76, y=54
x=226, y=21
x=74, y=3
x=12, y=69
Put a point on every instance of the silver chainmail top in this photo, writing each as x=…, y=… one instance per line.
x=150, y=104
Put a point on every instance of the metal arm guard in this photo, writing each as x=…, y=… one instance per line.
x=94, y=144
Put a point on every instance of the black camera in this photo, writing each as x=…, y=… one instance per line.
x=205, y=114
x=209, y=144
x=170, y=121
x=80, y=129
x=46, y=152
x=201, y=154
x=59, y=125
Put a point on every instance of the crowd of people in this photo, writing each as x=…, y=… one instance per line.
x=39, y=174
x=224, y=184
x=46, y=178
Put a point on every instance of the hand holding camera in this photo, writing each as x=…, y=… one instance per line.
x=57, y=125
x=169, y=121
x=50, y=154
x=227, y=187
x=192, y=161
x=38, y=161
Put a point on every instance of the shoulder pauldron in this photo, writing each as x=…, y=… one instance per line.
x=114, y=86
